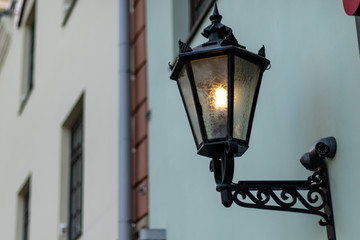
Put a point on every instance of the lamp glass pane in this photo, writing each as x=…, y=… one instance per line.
x=246, y=77
x=211, y=80
x=188, y=99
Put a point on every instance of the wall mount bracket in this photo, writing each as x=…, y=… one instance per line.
x=311, y=196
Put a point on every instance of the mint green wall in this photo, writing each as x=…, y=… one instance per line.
x=310, y=92
x=181, y=24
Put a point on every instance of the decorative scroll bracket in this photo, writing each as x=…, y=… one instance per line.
x=311, y=196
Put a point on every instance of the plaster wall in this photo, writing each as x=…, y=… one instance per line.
x=79, y=58
x=310, y=92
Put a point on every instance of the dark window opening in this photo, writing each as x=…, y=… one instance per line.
x=31, y=56
x=198, y=11
x=26, y=215
x=76, y=168
x=23, y=217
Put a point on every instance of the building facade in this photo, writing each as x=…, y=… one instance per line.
x=59, y=118
x=59, y=81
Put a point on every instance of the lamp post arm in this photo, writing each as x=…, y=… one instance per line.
x=308, y=196
x=311, y=196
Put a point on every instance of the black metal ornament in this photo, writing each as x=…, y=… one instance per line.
x=311, y=196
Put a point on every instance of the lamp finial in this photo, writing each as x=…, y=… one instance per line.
x=215, y=15
x=216, y=30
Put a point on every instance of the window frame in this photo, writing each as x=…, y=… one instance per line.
x=195, y=25
x=26, y=214
x=24, y=211
x=76, y=188
x=29, y=57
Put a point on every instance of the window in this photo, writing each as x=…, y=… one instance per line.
x=5, y=30
x=26, y=215
x=198, y=11
x=75, y=205
x=29, y=56
x=23, y=219
x=31, y=27
x=187, y=18
x=197, y=7
x=68, y=7
x=71, y=199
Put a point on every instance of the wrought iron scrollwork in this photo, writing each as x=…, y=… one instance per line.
x=311, y=196
x=292, y=196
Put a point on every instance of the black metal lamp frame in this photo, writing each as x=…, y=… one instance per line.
x=221, y=42
x=311, y=196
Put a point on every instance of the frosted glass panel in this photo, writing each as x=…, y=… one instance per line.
x=245, y=81
x=211, y=80
x=185, y=89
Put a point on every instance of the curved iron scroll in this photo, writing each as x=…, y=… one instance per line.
x=292, y=196
x=311, y=196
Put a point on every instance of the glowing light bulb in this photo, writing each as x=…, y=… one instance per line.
x=220, y=98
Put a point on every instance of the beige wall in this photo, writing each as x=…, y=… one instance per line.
x=79, y=58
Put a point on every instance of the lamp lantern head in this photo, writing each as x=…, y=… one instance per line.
x=219, y=82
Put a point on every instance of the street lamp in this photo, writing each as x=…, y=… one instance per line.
x=219, y=82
